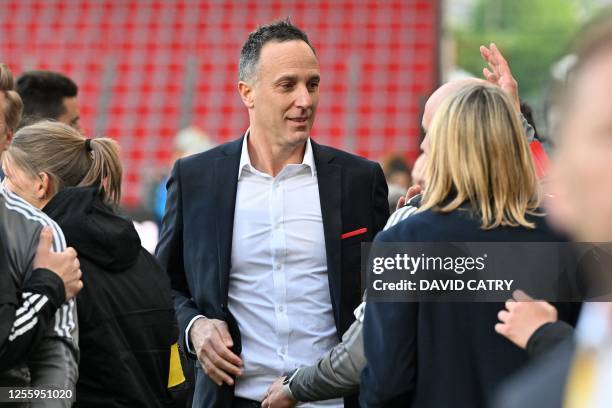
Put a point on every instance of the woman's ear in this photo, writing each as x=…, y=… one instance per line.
x=44, y=187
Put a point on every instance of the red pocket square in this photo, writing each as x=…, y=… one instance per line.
x=353, y=233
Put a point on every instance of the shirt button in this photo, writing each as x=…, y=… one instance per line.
x=281, y=309
x=277, y=266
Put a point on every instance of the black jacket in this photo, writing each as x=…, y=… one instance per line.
x=125, y=310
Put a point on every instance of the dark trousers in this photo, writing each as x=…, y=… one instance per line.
x=245, y=403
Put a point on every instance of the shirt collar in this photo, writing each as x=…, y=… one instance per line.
x=245, y=159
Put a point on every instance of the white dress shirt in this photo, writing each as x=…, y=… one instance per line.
x=278, y=285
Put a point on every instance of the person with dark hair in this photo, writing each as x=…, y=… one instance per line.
x=49, y=95
x=125, y=311
x=261, y=236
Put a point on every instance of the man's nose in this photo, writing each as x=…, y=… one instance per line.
x=425, y=144
x=303, y=98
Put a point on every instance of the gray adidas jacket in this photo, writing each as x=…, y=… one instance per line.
x=55, y=361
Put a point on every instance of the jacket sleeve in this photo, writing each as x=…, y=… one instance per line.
x=25, y=315
x=55, y=360
x=337, y=373
x=170, y=255
x=547, y=337
x=380, y=199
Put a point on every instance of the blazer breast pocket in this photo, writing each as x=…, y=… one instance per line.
x=360, y=232
x=351, y=244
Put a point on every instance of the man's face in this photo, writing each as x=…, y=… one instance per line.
x=285, y=92
x=426, y=121
x=583, y=169
x=6, y=135
x=71, y=116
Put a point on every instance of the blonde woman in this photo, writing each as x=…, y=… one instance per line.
x=125, y=312
x=480, y=185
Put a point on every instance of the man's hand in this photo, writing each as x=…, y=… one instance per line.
x=211, y=341
x=64, y=264
x=277, y=397
x=500, y=73
x=522, y=317
x=412, y=191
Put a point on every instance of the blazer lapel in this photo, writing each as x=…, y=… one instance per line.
x=226, y=182
x=329, y=176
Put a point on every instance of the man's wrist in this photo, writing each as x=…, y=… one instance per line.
x=188, y=343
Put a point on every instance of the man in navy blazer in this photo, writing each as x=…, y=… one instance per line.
x=261, y=236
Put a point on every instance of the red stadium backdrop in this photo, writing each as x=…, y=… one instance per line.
x=146, y=69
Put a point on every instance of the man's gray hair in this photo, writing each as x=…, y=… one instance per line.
x=278, y=31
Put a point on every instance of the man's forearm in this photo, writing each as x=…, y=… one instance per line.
x=336, y=374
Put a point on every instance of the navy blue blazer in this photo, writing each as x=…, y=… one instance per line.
x=443, y=354
x=196, y=237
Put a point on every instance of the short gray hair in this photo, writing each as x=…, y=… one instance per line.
x=278, y=31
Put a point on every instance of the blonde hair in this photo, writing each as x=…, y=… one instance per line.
x=68, y=158
x=14, y=106
x=479, y=155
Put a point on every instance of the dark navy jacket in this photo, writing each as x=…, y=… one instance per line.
x=442, y=354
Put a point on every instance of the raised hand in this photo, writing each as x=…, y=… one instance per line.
x=499, y=73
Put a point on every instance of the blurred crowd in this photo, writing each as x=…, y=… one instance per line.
x=245, y=289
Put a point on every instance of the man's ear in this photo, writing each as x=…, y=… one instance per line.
x=246, y=94
x=44, y=187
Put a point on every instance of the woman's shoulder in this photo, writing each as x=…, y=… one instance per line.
x=425, y=225
x=462, y=225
